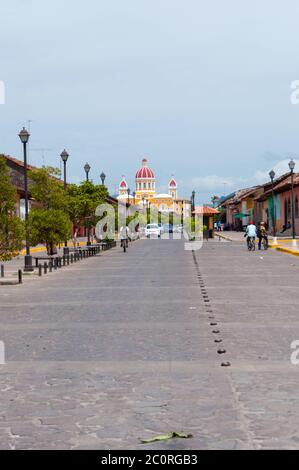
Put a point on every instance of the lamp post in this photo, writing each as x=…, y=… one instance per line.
x=192, y=211
x=87, y=170
x=129, y=191
x=103, y=177
x=292, y=166
x=64, y=157
x=192, y=201
x=24, y=137
x=272, y=176
x=134, y=195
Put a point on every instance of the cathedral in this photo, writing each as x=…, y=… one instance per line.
x=145, y=193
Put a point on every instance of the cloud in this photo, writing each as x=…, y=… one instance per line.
x=225, y=184
x=280, y=169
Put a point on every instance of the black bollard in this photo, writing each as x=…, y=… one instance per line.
x=45, y=267
x=72, y=258
x=50, y=265
x=20, y=276
x=39, y=270
x=2, y=270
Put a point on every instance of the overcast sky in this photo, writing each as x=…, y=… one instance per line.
x=201, y=88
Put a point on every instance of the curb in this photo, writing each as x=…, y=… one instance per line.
x=286, y=250
x=9, y=283
x=219, y=235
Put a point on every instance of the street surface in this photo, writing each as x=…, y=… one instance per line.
x=120, y=347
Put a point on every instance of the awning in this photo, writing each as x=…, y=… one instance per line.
x=240, y=215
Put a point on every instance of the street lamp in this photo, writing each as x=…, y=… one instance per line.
x=24, y=137
x=291, y=167
x=87, y=170
x=272, y=176
x=129, y=191
x=64, y=157
x=192, y=211
x=134, y=195
x=103, y=177
x=192, y=201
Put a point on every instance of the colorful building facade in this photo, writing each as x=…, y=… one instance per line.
x=145, y=193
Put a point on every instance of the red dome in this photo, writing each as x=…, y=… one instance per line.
x=172, y=183
x=144, y=171
x=123, y=183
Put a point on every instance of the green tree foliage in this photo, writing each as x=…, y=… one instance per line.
x=11, y=227
x=49, y=226
x=49, y=222
x=82, y=202
x=47, y=189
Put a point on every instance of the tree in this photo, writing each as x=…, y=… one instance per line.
x=49, y=226
x=47, y=189
x=49, y=222
x=83, y=200
x=11, y=227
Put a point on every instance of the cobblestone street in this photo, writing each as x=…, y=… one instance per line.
x=122, y=346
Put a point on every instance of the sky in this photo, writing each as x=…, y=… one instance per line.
x=202, y=89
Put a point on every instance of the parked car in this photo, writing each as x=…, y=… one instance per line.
x=152, y=229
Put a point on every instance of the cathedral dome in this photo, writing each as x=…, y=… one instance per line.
x=144, y=171
x=123, y=184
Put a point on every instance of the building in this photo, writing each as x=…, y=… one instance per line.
x=145, y=193
x=16, y=170
x=260, y=205
x=279, y=207
x=208, y=217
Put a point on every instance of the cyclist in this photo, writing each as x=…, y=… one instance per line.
x=262, y=235
x=250, y=233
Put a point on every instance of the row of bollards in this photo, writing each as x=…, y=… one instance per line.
x=66, y=260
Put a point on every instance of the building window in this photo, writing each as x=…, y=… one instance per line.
x=144, y=185
x=296, y=207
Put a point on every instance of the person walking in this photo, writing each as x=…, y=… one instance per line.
x=262, y=235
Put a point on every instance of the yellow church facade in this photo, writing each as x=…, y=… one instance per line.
x=145, y=193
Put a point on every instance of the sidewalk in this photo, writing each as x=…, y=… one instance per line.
x=12, y=267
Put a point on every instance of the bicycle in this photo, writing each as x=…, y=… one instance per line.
x=251, y=243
